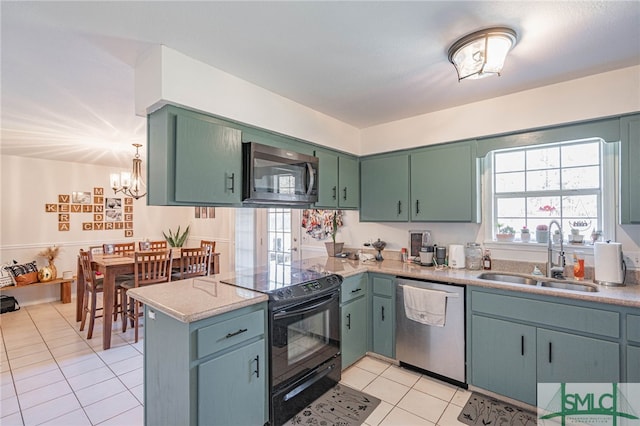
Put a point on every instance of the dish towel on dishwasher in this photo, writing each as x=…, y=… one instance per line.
x=425, y=306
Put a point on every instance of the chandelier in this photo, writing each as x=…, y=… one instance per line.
x=482, y=53
x=130, y=183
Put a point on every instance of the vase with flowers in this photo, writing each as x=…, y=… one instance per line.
x=334, y=248
x=525, y=235
x=49, y=272
x=542, y=234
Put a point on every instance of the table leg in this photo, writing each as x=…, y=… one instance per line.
x=79, y=291
x=109, y=285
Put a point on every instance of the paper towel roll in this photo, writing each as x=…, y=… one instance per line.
x=607, y=258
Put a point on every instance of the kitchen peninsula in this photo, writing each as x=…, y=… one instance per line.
x=196, y=343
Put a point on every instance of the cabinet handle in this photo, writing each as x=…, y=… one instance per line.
x=232, y=178
x=549, y=352
x=522, y=345
x=335, y=192
x=399, y=207
x=242, y=330
x=417, y=207
x=344, y=194
x=257, y=370
x=356, y=290
x=349, y=321
x=382, y=313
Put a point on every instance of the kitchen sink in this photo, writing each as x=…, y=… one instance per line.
x=552, y=283
x=514, y=279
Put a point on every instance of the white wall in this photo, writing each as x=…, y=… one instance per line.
x=27, y=184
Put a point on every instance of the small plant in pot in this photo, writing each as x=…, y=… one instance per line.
x=334, y=248
x=177, y=239
x=542, y=233
x=505, y=233
x=525, y=235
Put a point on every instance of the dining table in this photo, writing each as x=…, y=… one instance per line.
x=110, y=266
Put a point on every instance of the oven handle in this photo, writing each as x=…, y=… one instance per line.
x=298, y=310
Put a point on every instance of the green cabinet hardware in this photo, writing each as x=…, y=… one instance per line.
x=444, y=183
x=339, y=181
x=383, y=315
x=384, y=188
x=193, y=159
x=630, y=169
x=354, y=314
x=209, y=373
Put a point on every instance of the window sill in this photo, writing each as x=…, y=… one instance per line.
x=535, y=247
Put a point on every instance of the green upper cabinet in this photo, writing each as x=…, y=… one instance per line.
x=444, y=183
x=630, y=169
x=384, y=188
x=193, y=159
x=339, y=184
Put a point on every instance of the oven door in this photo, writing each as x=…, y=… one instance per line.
x=303, y=337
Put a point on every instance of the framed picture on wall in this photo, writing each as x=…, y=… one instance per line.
x=197, y=212
x=81, y=197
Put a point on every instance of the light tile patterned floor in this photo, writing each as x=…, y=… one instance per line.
x=50, y=374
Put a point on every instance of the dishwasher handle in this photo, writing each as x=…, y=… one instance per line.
x=448, y=293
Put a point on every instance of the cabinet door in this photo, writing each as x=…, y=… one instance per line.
x=503, y=358
x=349, y=183
x=564, y=357
x=384, y=189
x=633, y=364
x=383, y=325
x=232, y=387
x=443, y=184
x=208, y=161
x=353, y=338
x=327, y=179
x=630, y=170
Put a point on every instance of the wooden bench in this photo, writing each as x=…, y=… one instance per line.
x=65, y=287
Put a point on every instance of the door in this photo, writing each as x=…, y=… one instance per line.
x=384, y=189
x=349, y=182
x=503, y=358
x=383, y=325
x=327, y=179
x=354, y=331
x=280, y=228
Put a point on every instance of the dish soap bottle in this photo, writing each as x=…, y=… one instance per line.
x=486, y=260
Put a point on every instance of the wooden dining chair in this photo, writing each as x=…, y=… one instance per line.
x=150, y=267
x=120, y=248
x=92, y=286
x=212, y=245
x=194, y=262
x=153, y=245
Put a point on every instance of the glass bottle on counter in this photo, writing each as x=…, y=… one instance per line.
x=486, y=260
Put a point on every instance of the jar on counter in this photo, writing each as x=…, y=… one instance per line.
x=473, y=256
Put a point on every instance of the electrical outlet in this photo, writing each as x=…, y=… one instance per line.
x=632, y=259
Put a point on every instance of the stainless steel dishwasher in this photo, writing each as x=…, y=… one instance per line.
x=439, y=350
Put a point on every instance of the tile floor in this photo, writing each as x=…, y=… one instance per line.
x=49, y=374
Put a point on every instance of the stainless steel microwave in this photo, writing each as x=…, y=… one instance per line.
x=278, y=176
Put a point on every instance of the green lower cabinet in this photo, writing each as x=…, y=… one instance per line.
x=224, y=381
x=564, y=357
x=504, y=358
x=383, y=325
x=353, y=338
x=354, y=318
x=633, y=364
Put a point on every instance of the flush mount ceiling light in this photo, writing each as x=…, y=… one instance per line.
x=130, y=183
x=482, y=53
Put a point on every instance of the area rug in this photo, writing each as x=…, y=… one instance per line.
x=484, y=410
x=340, y=406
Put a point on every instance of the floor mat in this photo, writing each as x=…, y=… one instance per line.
x=339, y=406
x=484, y=410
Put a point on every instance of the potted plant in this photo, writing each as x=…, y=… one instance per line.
x=525, y=235
x=49, y=272
x=178, y=239
x=505, y=233
x=334, y=248
x=542, y=233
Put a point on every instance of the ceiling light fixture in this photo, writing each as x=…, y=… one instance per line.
x=482, y=53
x=130, y=183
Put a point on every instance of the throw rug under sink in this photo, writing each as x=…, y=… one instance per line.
x=340, y=405
x=484, y=410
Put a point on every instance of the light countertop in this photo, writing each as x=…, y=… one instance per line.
x=196, y=298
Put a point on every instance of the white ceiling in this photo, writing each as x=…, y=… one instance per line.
x=68, y=67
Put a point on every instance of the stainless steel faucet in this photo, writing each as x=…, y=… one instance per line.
x=556, y=271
